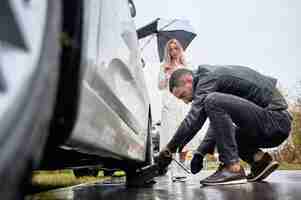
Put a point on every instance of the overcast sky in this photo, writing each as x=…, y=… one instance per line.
x=262, y=34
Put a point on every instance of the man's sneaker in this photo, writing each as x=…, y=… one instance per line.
x=262, y=168
x=225, y=177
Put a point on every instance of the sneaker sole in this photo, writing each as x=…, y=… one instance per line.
x=241, y=181
x=266, y=172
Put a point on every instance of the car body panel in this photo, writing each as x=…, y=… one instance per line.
x=114, y=104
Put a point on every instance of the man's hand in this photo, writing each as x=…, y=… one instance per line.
x=165, y=158
x=196, y=163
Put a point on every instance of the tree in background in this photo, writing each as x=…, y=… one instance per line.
x=290, y=151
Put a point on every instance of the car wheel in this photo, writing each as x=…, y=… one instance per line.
x=29, y=53
x=80, y=172
x=108, y=172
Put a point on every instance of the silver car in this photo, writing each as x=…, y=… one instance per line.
x=72, y=89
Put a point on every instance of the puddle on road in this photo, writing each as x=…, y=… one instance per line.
x=67, y=193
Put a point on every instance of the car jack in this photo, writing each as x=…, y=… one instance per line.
x=145, y=176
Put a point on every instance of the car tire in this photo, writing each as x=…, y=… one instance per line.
x=108, y=172
x=80, y=172
x=24, y=129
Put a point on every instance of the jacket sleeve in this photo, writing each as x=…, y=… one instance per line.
x=195, y=118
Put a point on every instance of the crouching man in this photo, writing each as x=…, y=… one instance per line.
x=246, y=112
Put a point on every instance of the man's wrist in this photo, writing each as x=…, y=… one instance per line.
x=168, y=150
x=171, y=148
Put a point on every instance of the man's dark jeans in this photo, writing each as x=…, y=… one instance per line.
x=239, y=128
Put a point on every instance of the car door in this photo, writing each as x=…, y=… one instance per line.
x=113, y=117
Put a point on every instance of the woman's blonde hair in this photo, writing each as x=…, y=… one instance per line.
x=167, y=57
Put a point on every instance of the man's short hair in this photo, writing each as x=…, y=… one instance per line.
x=174, y=80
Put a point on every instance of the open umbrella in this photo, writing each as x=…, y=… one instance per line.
x=166, y=30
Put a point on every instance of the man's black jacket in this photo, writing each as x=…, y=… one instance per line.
x=236, y=80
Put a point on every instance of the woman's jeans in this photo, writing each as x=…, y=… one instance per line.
x=239, y=128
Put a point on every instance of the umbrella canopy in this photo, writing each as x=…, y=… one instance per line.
x=166, y=30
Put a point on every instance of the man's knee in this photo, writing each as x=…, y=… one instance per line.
x=212, y=100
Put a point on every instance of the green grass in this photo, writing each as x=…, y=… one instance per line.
x=211, y=165
x=61, y=178
x=289, y=166
x=44, y=181
x=283, y=166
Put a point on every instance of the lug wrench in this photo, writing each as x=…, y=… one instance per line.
x=182, y=166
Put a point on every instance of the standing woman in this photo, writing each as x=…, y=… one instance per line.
x=173, y=110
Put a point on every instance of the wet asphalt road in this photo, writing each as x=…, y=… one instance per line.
x=281, y=185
